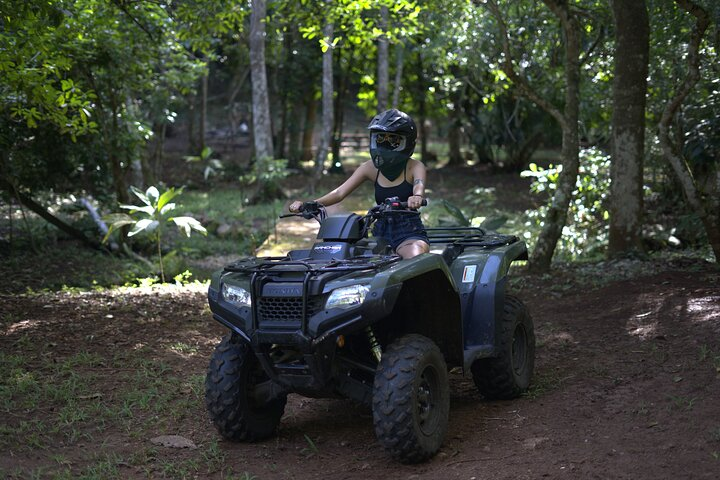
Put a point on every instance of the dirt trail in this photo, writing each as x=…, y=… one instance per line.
x=627, y=382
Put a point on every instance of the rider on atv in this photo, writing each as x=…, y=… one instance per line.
x=395, y=175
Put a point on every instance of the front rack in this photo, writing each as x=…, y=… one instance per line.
x=262, y=264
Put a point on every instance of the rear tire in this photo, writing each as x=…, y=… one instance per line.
x=232, y=375
x=411, y=399
x=508, y=375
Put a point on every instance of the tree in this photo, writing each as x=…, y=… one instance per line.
x=566, y=116
x=705, y=202
x=632, y=32
x=327, y=99
x=262, y=129
x=383, y=62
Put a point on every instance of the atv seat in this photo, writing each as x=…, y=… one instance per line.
x=372, y=246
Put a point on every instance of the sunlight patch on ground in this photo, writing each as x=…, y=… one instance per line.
x=643, y=325
x=704, y=309
x=21, y=326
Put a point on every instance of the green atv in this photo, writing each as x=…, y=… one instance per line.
x=347, y=318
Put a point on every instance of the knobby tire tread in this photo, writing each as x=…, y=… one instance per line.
x=494, y=377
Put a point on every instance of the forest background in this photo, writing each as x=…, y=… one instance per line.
x=588, y=127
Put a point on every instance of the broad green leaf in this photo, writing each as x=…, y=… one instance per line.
x=493, y=223
x=166, y=197
x=187, y=224
x=144, y=225
x=149, y=209
x=167, y=208
x=140, y=195
x=456, y=213
x=152, y=193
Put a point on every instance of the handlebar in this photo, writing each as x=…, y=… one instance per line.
x=309, y=210
x=317, y=211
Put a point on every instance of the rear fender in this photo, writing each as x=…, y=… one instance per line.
x=486, y=302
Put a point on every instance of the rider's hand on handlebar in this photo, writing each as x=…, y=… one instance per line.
x=295, y=206
x=414, y=202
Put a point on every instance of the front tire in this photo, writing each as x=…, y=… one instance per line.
x=508, y=375
x=411, y=399
x=232, y=378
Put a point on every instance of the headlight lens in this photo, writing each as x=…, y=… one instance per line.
x=238, y=296
x=347, y=297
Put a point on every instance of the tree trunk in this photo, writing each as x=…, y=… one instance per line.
x=262, y=130
x=556, y=217
x=383, y=73
x=294, y=130
x=118, y=173
x=203, y=112
x=708, y=208
x=41, y=211
x=327, y=105
x=632, y=32
x=339, y=111
x=309, y=127
x=284, y=97
x=455, y=130
x=192, y=141
x=557, y=212
x=399, y=60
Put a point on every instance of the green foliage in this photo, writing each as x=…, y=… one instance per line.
x=585, y=233
x=154, y=214
x=211, y=166
x=88, y=71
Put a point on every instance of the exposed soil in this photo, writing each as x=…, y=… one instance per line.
x=626, y=386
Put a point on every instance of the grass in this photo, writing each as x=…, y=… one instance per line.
x=53, y=404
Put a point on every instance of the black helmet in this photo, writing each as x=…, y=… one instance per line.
x=392, y=141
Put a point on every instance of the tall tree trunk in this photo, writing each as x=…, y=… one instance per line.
x=309, y=127
x=284, y=96
x=192, y=141
x=425, y=154
x=557, y=213
x=454, y=137
x=632, y=33
x=383, y=72
x=116, y=162
x=556, y=217
x=339, y=111
x=203, y=112
x=294, y=130
x=705, y=204
x=327, y=104
x=262, y=130
x=399, y=60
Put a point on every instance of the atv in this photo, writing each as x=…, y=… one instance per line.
x=347, y=318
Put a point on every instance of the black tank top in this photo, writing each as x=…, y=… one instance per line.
x=402, y=190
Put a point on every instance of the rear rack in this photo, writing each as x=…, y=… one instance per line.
x=469, y=236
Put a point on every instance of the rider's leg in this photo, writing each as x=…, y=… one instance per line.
x=412, y=247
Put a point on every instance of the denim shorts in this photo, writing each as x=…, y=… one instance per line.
x=396, y=229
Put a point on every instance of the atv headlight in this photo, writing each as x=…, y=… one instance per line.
x=347, y=297
x=238, y=296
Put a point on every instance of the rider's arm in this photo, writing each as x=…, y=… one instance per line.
x=361, y=174
x=418, y=174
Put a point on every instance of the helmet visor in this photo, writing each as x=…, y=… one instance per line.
x=389, y=141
